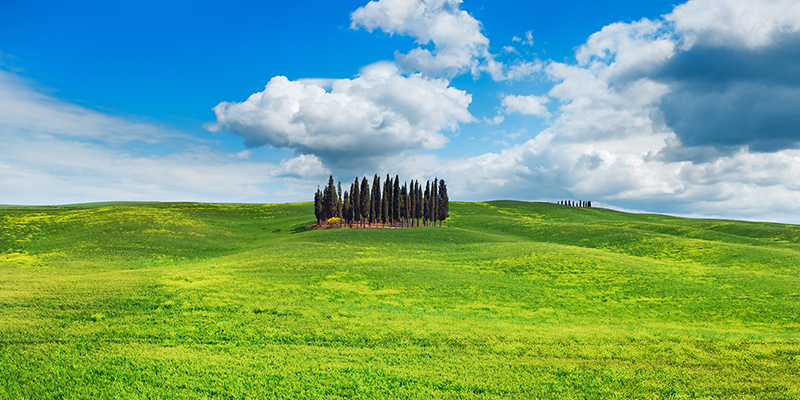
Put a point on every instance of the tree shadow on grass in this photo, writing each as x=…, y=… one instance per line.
x=301, y=228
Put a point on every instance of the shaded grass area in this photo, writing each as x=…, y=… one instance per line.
x=510, y=300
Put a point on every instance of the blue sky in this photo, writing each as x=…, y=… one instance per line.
x=649, y=106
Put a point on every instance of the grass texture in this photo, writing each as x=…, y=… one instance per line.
x=507, y=300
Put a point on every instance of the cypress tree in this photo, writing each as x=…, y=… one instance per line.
x=434, y=201
x=396, y=200
x=365, y=201
x=318, y=205
x=355, y=198
x=375, y=210
x=409, y=189
x=412, y=195
x=329, y=207
x=387, y=198
x=403, y=205
x=339, y=204
x=420, y=203
x=426, y=216
x=346, y=215
x=444, y=202
x=409, y=207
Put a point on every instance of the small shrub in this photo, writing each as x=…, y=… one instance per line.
x=335, y=221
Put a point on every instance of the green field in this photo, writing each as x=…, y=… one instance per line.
x=507, y=300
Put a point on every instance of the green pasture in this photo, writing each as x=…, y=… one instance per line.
x=507, y=300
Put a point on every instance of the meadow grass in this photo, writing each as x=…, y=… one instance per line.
x=507, y=300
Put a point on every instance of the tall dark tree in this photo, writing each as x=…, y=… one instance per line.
x=403, y=204
x=444, y=202
x=409, y=206
x=420, y=206
x=365, y=201
x=435, y=201
x=355, y=198
x=427, y=206
x=339, y=204
x=318, y=205
x=412, y=202
x=347, y=209
x=375, y=208
x=386, y=201
x=396, y=200
x=329, y=203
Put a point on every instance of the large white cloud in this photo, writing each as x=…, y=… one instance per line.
x=735, y=23
x=456, y=35
x=459, y=44
x=379, y=113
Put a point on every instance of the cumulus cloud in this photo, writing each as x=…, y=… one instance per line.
x=381, y=112
x=456, y=36
x=459, y=44
x=527, y=105
x=735, y=24
x=731, y=98
x=302, y=166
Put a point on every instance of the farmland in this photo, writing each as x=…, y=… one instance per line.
x=506, y=300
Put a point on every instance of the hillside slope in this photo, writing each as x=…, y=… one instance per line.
x=508, y=300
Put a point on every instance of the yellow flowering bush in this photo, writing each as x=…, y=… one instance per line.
x=334, y=221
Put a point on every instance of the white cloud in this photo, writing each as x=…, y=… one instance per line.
x=502, y=72
x=527, y=41
x=527, y=105
x=611, y=142
x=735, y=23
x=24, y=108
x=459, y=45
x=379, y=113
x=302, y=166
x=456, y=35
x=497, y=120
x=627, y=50
x=54, y=152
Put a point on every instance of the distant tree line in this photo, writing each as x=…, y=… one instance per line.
x=392, y=204
x=575, y=203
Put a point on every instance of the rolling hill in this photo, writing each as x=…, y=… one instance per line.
x=507, y=300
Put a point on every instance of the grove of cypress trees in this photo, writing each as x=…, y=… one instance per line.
x=394, y=204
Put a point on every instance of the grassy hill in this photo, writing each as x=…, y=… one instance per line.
x=508, y=300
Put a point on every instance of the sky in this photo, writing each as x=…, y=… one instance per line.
x=686, y=109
